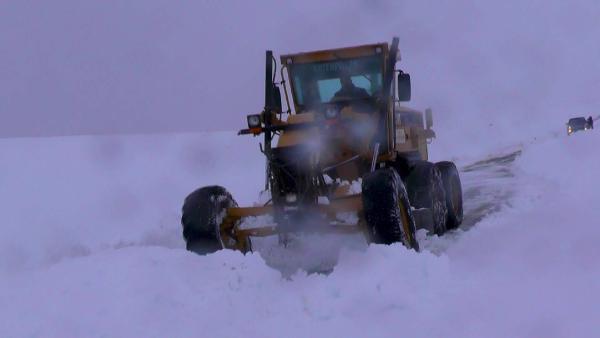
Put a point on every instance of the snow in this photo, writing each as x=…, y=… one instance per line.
x=74, y=196
x=323, y=200
x=91, y=246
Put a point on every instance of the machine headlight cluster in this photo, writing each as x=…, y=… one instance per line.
x=253, y=121
x=331, y=113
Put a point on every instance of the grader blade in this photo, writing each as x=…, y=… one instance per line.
x=233, y=220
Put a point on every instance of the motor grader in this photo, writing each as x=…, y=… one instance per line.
x=342, y=127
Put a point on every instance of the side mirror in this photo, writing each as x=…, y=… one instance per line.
x=277, y=99
x=428, y=118
x=404, y=86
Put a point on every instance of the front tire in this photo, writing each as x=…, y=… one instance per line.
x=202, y=213
x=387, y=209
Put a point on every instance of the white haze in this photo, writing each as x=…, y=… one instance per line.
x=492, y=72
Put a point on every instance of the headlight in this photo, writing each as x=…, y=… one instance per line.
x=331, y=113
x=253, y=121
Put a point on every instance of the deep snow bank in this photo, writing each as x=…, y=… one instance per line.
x=72, y=196
x=526, y=271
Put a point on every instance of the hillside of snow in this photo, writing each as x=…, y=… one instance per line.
x=91, y=247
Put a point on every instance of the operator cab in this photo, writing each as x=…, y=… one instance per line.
x=342, y=77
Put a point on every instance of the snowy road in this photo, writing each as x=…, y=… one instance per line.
x=487, y=187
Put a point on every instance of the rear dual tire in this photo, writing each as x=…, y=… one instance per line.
x=453, y=189
x=426, y=190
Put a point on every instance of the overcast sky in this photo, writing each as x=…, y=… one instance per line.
x=87, y=67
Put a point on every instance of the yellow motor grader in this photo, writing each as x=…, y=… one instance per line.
x=343, y=156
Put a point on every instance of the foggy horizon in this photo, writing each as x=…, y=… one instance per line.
x=75, y=68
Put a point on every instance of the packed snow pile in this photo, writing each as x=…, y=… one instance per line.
x=74, y=196
x=91, y=248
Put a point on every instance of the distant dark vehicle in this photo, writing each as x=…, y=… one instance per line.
x=579, y=123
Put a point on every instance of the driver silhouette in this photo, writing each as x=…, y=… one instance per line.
x=349, y=91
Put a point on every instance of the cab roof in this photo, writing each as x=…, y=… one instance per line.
x=336, y=53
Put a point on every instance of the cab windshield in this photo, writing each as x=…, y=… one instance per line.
x=316, y=83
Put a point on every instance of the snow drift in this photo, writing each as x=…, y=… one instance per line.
x=91, y=247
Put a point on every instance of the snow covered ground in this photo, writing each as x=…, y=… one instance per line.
x=91, y=247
